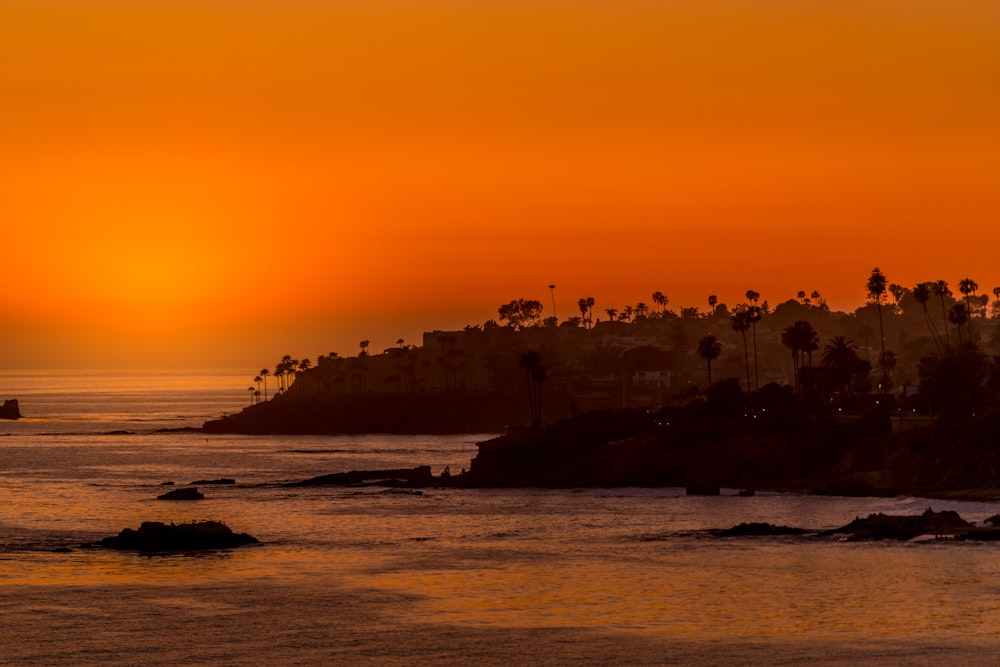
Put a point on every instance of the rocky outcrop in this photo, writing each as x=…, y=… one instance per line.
x=191, y=493
x=890, y=527
x=758, y=529
x=153, y=536
x=795, y=452
x=10, y=409
x=221, y=480
x=413, y=477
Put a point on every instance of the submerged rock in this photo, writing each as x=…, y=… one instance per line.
x=182, y=494
x=221, y=480
x=195, y=536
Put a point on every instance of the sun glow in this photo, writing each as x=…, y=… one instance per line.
x=340, y=171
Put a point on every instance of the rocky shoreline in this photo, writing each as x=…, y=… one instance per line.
x=769, y=449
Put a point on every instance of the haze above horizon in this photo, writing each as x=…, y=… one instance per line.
x=216, y=184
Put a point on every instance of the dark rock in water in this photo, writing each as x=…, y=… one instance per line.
x=62, y=550
x=888, y=527
x=182, y=494
x=120, y=433
x=196, y=536
x=748, y=493
x=994, y=520
x=221, y=480
x=10, y=409
x=166, y=484
x=702, y=491
x=419, y=476
x=980, y=535
x=745, y=529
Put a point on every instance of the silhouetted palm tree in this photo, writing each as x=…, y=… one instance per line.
x=661, y=301
x=627, y=313
x=789, y=340
x=801, y=338
x=257, y=380
x=251, y=390
x=876, y=289
x=264, y=373
x=968, y=286
x=741, y=322
x=641, y=309
x=922, y=294
x=941, y=290
x=841, y=358
x=712, y=300
x=535, y=374
x=612, y=313
x=754, y=315
x=586, y=306
x=709, y=349
x=958, y=315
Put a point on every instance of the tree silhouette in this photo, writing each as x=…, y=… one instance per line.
x=754, y=315
x=958, y=315
x=709, y=349
x=741, y=322
x=661, y=302
x=801, y=338
x=612, y=313
x=251, y=390
x=264, y=373
x=840, y=357
x=712, y=300
x=641, y=309
x=922, y=294
x=866, y=332
x=521, y=312
x=968, y=286
x=586, y=306
x=876, y=289
x=535, y=375
x=941, y=290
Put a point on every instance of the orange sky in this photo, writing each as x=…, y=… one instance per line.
x=220, y=182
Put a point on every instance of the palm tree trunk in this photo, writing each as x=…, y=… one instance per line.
x=881, y=334
x=756, y=369
x=944, y=318
x=746, y=358
x=935, y=336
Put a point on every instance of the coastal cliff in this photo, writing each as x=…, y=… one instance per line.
x=428, y=412
x=815, y=454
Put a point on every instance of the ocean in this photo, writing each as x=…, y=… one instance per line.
x=373, y=576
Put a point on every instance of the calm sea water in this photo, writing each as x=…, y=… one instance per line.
x=446, y=577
